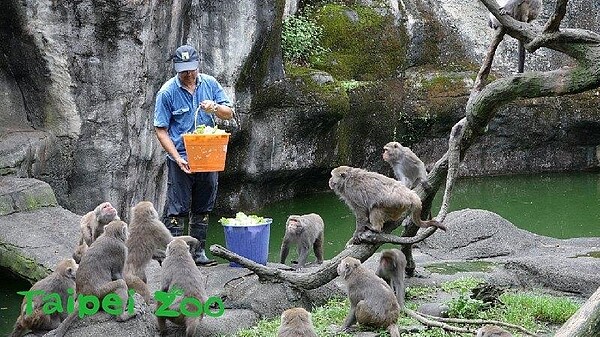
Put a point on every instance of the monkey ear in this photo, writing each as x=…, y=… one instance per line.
x=343, y=174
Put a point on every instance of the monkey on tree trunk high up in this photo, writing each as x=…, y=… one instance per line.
x=375, y=199
x=521, y=10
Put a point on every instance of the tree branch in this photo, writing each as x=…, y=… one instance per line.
x=559, y=13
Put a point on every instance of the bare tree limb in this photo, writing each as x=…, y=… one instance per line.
x=479, y=322
x=435, y=323
x=484, y=71
x=559, y=13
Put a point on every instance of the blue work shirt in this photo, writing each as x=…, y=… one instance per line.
x=175, y=107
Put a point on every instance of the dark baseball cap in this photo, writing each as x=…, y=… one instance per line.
x=185, y=58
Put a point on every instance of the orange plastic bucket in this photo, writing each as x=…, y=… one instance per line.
x=206, y=153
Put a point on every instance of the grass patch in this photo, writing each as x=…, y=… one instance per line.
x=532, y=310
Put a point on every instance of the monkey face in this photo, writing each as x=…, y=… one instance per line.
x=390, y=151
x=68, y=268
x=338, y=176
x=347, y=266
x=106, y=212
x=294, y=226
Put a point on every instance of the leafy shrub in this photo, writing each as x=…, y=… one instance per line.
x=300, y=39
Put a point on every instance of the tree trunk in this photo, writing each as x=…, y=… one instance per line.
x=585, y=322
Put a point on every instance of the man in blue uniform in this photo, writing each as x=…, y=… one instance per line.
x=188, y=95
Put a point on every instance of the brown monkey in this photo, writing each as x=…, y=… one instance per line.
x=520, y=10
x=492, y=331
x=372, y=301
x=148, y=236
x=101, y=270
x=180, y=274
x=391, y=269
x=408, y=168
x=92, y=225
x=305, y=231
x=296, y=322
x=375, y=199
x=58, y=282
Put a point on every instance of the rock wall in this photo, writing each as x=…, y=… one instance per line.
x=79, y=78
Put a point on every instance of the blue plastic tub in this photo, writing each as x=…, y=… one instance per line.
x=250, y=241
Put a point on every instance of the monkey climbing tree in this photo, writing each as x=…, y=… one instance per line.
x=485, y=99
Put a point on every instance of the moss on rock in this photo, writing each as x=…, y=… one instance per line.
x=362, y=43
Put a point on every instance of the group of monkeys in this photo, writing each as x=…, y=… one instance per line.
x=376, y=298
x=111, y=258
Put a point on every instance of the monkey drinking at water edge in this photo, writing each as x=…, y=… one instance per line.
x=375, y=199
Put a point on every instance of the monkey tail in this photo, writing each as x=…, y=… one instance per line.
x=66, y=324
x=521, y=65
x=416, y=217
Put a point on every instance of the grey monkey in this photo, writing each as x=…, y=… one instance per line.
x=306, y=231
x=520, y=10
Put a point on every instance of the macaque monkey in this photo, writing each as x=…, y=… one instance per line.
x=148, y=238
x=520, y=10
x=408, y=168
x=372, y=301
x=492, y=331
x=306, y=231
x=180, y=274
x=296, y=322
x=59, y=282
x=101, y=271
x=92, y=226
x=375, y=199
x=391, y=269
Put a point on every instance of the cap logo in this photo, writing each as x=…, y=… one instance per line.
x=185, y=56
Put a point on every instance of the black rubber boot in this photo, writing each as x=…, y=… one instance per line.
x=175, y=224
x=198, y=228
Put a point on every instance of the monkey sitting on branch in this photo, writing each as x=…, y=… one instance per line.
x=520, y=10
x=306, y=231
x=296, y=322
x=408, y=168
x=375, y=199
x=372, y=301
x=56, y=284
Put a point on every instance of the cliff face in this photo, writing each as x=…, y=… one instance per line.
x=78, y=80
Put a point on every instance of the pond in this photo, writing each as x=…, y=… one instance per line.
x=560, y=205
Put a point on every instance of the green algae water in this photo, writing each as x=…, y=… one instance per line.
x=559, y=205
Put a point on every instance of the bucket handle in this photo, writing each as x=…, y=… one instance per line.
x=196, y=118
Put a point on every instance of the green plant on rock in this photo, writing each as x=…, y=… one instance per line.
x=300, y=38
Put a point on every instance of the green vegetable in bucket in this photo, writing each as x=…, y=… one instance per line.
x=241, y=219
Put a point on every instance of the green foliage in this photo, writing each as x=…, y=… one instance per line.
x=465, y=307
x=541, y=307
x=300, y=39
x=462, y=285
x=415, y=292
